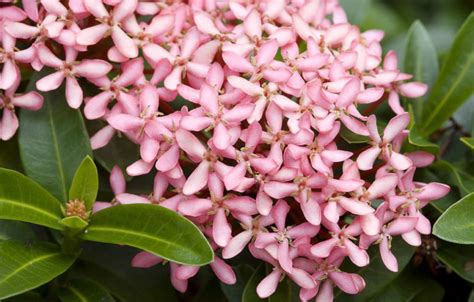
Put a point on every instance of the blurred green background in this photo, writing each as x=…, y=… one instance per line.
x=442, y=18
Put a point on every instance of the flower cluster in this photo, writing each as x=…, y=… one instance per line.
x=239, y=109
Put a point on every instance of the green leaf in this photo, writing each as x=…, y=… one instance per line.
x=416, y=139
x=421, y=60
x=459, y=258
x=119, y=151
x=26, y=297
x=74, y=223
x=352, y=138
x=284, y=292
x=53, y=142
x=356, y=10
x=468, y=141
x=455, y=176
x=456, y=224
x=151, y=228
x=120, y=287
x=376, y=275
x=27, y=266
x=83, y=290
x=85, y=183
x=9, y=156
x=234, y=292
x=250, y=290
x=411, y=286
x=471, y=296
x=23, y=199
x=109, y=265
x=10, y=229
x=454, y=84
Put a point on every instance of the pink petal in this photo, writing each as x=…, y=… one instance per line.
x=51, y=81
x=311, y=211
x=267, y=52
x=92, y=35
x=400, y=161
x=382, y=186
x=246, y=86
x=354, y=206
x=195, y=207
x=395, y=126
x=31, y=100
x=365, y=160
x=348, y=283
x=125, y=122
x=402, y=225
x=223, y=271
x=74, y=93
x=433, y=191
x=125, y=198
x=124, y=43
x=145, y=260
x=279, y=189
x=197, y=180
x=269, y=284
x=357, y=255
x=331, y=212
x=323, y=249
x=92, y=68
x=190, y=144
x=283, y=256
x=253, y=24
x=387, y=256
x=236, y=62
x=413, y=89
x=236, y=244
x=221, y=231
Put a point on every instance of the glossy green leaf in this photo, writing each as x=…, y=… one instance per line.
x=53, y=142
x=83, y=290
x=85, y=183
x=356, y=10
x=234, y=292
x=421, y=61
x=455, y=176
x=151, y=228
x=416, y=139
x=118, y=286
x=284, y=292
x=456, y=224
x=119, y=151
x=468, y=141
x=459, y=258
x=352, y=138
x=376, y=275
x=15, y=230
x=26, y=297
x=9, y=154
x=250, y=290
x=411, y=286
x=109, y=265
x=454, y=84
x=23, y=199
x=74, y=223
x=25, y=266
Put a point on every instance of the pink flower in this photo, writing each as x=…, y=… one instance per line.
x=69, y=70
x=238, y=110
x=395, y=126
x=8, y=102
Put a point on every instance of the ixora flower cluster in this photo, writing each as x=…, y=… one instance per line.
x=253, y=157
